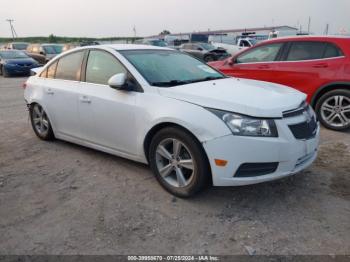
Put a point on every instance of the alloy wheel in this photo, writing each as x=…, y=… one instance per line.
x=335, y=111
x=40, y=120
x=175, y=163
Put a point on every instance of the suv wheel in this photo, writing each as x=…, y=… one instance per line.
x=179, y=162
x=333, y=109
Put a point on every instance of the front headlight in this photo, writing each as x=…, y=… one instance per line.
x=242, y=125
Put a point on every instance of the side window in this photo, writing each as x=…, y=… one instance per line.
x=266, y=53
x=332, y=51
x=52, y=70
x=43, y=73
x=101, y=66
x=301, y=51
x=69, y=66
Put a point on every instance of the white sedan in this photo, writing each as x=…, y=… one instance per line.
x=192, y=124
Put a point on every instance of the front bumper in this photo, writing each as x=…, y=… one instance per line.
x=18, y=70
x=292, y=155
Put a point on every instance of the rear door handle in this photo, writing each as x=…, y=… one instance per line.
x=264, y=67
x=321, y=65
x=85, y=99
x=49, y=91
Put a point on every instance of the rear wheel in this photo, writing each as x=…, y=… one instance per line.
x=333, y=109
x=179, y=162
x=40, y=122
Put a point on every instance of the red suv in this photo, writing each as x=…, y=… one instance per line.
x=317, y=66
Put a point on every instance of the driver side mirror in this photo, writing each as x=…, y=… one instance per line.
x=42, y=53
x=119, y=82
x=199, y=48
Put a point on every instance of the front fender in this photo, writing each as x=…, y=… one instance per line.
x=157, y=109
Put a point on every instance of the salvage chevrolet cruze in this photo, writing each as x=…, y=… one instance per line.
x=192, y=124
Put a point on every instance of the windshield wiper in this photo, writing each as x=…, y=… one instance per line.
x=209, y=78
x=170, y=83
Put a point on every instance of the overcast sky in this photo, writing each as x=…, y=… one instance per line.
x=97, y=18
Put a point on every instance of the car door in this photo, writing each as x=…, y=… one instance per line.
x=107, y=115
x=61, y=88
x=256, y=63
x=307, y=65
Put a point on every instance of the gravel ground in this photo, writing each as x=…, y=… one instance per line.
x=60, y=198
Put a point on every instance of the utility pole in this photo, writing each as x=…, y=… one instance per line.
x=309, y=25
x=13, y=32
x=134, y=29
x=327, y=29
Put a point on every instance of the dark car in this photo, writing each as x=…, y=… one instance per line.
x=15, y=62
x=44, y=52
x=16, y=46
x=204, y=51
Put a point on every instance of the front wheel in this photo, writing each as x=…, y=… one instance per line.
x=179, y=162
x=40, y=122
x=333, y=109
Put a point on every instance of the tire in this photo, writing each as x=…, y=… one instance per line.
x=40, y=122
x=4, y=72
x=188, y=171
x=333, y=109
x=209, y=58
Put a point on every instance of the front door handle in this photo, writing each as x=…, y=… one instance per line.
x=49, y=91
x=320, y=65
x=264, y=67
x=85, y=99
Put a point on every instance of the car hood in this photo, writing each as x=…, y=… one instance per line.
x=248, y=97
x=20, y=61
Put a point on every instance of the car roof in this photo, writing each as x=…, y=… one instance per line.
x=121, y=47
x=306, y=38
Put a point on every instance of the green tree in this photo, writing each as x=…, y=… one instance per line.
x=52, y=38
x=165, y=32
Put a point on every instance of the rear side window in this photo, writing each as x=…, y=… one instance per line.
x=332, y=51
x=300, y=51
x=265, y=53
x=50, y=71
x=101, y=66
x=69, y=66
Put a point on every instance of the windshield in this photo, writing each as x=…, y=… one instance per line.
x=12, y=54
x=253, y=41
x=53, y=49
x=167, y=68
x=20, y=46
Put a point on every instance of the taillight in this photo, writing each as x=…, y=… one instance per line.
x=24, y=85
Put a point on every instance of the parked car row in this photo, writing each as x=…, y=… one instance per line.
x=317, y=66
x=42, y=53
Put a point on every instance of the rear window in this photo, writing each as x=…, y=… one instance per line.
x=332, y=51
x=69, y=66
x=306, y=51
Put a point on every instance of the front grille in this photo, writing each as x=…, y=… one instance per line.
x=304, y=130
x=256, y=169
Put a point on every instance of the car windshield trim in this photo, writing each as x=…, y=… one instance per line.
x=208, y=73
